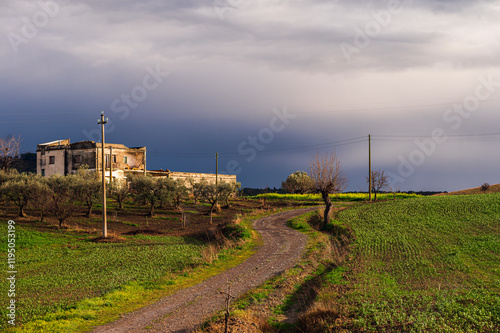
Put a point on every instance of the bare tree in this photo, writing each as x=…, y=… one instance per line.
x=9, y=151
x=379, y=181
x=326, y=172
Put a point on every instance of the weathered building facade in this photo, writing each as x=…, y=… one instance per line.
x=64, y=158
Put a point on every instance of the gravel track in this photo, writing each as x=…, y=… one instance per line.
x=188, y=308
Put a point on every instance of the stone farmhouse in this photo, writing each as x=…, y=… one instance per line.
x=64, y=158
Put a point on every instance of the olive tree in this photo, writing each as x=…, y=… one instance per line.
x=40, y=196
x=119, y=190
x=88, y=187
x=196, y=189
x=179, y=192
x=64, y=196
x=228, y=190
x=298, y=182
x=326, y=172
x=16, y=189
x=150, y=190
x=213, y=193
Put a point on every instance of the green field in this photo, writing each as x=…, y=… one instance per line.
x=57, y=269
x=334, y=197
x=425, y=264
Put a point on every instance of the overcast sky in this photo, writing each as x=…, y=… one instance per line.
x=267, y=84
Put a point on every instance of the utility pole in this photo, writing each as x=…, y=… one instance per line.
x=216, y=169
x=102, y=122
x=370, y=167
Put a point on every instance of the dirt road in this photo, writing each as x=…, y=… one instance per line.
x=188, y=308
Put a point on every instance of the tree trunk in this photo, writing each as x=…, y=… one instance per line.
x=152, y=210
x=21, y=211
x=328, y=207
x=89, y=210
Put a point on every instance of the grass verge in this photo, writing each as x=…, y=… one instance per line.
x=274, y=306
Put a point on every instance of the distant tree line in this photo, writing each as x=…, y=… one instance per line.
x=65, y=196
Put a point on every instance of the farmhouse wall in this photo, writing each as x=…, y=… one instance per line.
x=193, y=176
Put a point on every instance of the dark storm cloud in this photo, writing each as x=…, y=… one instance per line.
x=230, y=63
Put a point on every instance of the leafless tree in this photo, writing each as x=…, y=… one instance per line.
x=379, y=181
x=326, y=172
x=9, y=151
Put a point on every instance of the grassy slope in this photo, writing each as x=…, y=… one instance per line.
x=421, y=264
x=477, y=190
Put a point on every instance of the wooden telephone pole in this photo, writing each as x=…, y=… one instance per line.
x=102, y=122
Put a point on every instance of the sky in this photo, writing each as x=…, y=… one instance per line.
x=266, y=84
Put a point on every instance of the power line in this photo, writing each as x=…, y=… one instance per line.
x=330, y=144
x=484, y=137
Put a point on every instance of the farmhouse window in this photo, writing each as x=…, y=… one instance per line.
x=52, y=160
x=43, y=172
x=125, y=159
